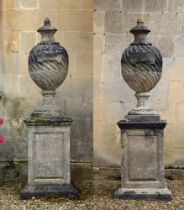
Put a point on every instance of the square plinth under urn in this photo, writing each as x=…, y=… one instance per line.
x=48, y=159
x=142, y=167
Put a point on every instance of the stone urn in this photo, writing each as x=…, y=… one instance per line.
x=141, y=66
x=48, y=68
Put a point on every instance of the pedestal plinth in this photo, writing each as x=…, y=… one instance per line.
x=142, y=168
x=48, y=158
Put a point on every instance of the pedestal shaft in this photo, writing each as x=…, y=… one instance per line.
x=48, y=159
x=142, y=169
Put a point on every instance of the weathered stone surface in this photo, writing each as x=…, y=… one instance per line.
x=115, y=38
x=107, y=4
x=113, y=21
x=79, y=43
x=84, y=65
x=142, y=168
x=163, y=24
x=155, y=5
x=175, y=91
x=28, y=39
x=14, y=19
x=48, y=158
x=98, y=43
x=166, y=46
x=112, y=67
x=80, y=21
x=132, y=6
x=175, y=6
x=99, y=18
x=11, y=42
x=87, y=4
x=29, y=4
x=178, y=52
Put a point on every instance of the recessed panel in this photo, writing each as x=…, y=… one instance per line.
x=49, y=155
x=142, y=158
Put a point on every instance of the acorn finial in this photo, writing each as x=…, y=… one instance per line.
x=47, y=22
x=140, y=21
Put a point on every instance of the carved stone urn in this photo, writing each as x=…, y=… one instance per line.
x=141, y=65
x=48, y=68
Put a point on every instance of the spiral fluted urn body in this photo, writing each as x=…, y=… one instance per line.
x=141, y=63
x=48, y=60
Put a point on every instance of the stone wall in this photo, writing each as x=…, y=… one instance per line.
x=19, y=20
x=113, y=98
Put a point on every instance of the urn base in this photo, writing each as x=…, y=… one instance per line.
x=142, y=107
x=142, y=117
x=48, y=109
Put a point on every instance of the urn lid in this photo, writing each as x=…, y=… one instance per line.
x=47, y=31
x=47, y=26
x=140, y=27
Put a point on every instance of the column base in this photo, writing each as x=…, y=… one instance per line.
x=143, y=194
x=65, y=190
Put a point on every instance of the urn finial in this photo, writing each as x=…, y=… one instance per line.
x=140, y=21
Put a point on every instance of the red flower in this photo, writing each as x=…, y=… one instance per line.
x=1, y=121
x=1, y=139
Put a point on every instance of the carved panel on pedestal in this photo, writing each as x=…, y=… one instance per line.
x=49, y=155
x=142, y=158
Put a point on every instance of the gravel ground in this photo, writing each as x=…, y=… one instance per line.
x=98, y=197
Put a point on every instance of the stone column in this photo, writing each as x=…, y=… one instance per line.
x=48, y=130
x=142, y=131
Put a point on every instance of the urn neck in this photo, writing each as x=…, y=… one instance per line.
x=47, y=31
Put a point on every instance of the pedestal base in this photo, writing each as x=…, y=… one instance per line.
x=142, y=167
x=48, y=158
x=143, y=194
x=65, y=190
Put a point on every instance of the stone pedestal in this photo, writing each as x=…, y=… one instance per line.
x=142, y=172
x=48, y=158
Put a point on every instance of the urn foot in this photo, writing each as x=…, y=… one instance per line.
x=48, y=108
x=142, y=107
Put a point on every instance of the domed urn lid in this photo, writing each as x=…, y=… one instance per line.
x=47, y=31
x=140, y=32
x=140, y=27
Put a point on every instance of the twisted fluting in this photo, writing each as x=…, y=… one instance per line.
x=141, y=67
x=48, y=65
